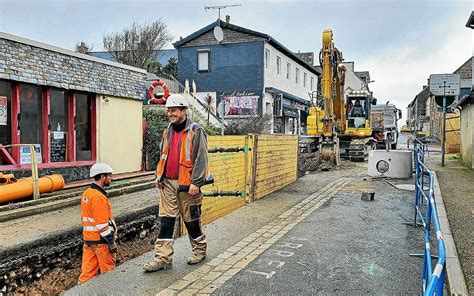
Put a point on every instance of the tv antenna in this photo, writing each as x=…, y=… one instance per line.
x=219, y=7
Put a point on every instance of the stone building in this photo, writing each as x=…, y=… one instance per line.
x=76, y=109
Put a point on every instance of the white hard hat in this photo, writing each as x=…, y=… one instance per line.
x=100, y=168
x=176, y=100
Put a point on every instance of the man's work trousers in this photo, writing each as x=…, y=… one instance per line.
x=95, y=257
x=172, y=204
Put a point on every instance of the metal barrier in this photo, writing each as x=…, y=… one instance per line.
x=433, y=279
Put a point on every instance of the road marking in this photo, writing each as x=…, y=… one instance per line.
x=372, y=268
x=238, y=256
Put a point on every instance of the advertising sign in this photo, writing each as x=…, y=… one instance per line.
x=3, y=111
x=241, y=103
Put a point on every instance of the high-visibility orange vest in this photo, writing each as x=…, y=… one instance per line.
x=96, y=214
x=185, y=170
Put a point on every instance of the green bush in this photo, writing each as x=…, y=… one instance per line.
x=249, y=125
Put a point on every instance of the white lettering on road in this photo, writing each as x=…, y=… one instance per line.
x=284, y=253
x=290, y=245
x=266, y=274
x=280, y=263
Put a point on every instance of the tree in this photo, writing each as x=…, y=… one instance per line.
x=82, y=47
x=155, y=67
x=172, y=67
x=137, y=45
x=209, y=106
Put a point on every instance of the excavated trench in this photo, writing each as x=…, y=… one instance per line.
x=52, y=265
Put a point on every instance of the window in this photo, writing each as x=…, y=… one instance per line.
x=5, y=113
x=58, y=111
x=312, y=83
x=297, y=75
x=288, y=69
x=36, y=123
x=31, y=114
x=83, y=127
x=58, y=125
x=278, y=65
x=304, y=79
x=204, y=61
x=267, y=57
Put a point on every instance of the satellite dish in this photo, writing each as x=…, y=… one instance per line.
x=218, y=34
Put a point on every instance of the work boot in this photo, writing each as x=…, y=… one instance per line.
x=163, y=256
x=156, y=266
x=195, y=259
x=199, y=246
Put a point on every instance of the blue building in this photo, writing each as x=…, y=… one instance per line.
x=252, y=72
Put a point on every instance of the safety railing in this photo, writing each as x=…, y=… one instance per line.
x=433, y=279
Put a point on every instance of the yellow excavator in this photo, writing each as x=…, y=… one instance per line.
x=326, y=119
x=341, y=126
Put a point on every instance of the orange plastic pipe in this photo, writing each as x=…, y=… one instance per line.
x=24, y=187
x=7, y=178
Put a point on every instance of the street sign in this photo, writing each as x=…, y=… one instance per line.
x=449, y=100
x=445, y=84
x=444, y=87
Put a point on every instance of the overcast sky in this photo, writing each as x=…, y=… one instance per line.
x=400, y=42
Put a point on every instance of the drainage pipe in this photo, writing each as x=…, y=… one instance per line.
x=24, y=187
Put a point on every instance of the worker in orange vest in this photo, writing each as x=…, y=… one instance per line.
x=99, y=228
x=180, y=173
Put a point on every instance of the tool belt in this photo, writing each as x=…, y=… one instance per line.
x=94, y=243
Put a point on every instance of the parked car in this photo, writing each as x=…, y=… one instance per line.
x=405, y=129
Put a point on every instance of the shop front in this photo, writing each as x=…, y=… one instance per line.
x=49, y=100
x=289, y=112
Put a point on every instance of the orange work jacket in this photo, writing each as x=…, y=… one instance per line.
x=97, y=217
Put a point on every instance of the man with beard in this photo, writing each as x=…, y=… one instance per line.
x=181, y=171
x=99, y=228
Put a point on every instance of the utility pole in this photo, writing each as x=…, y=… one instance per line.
x=219, y=7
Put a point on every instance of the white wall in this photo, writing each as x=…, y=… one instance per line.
x=352, y=81
x=119, y=133
x=272, y=79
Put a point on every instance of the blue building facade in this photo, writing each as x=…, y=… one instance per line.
x=236, y=71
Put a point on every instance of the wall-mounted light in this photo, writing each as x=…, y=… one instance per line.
x=105, y=99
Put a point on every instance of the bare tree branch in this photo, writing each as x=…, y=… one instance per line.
x=137, y=44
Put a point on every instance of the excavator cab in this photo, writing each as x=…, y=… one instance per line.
x=358, y=106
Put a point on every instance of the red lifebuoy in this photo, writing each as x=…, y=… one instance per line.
x=166, y=89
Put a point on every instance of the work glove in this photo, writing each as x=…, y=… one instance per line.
x=113, y=248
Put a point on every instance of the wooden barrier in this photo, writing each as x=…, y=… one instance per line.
x=264, y=164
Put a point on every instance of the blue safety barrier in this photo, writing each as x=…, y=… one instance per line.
x=433, y=279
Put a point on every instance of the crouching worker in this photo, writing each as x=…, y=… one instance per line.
x=99, y=228
x=181, y=171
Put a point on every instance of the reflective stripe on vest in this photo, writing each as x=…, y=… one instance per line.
x=185, y=153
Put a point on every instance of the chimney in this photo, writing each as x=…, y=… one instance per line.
x=227, y=18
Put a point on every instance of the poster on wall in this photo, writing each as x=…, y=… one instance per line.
x=3, y=111
x=241, y=103
x=25, y=155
